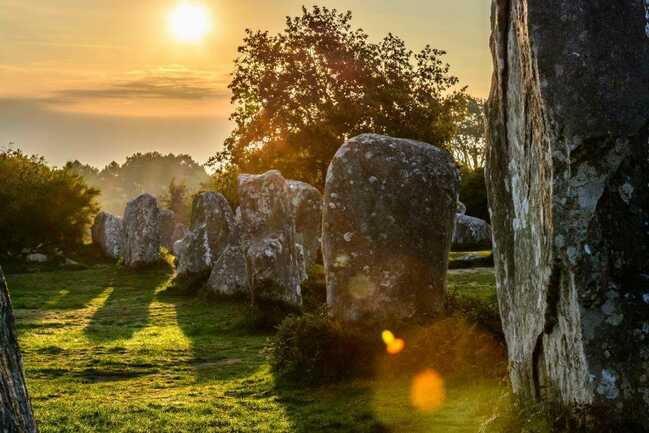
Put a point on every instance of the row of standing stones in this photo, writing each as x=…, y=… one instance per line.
x=383, y=228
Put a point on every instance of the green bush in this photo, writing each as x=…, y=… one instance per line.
x=473, y=193
x=313, y=349
x=42, y=206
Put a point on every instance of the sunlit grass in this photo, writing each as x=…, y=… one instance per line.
x=108, y=350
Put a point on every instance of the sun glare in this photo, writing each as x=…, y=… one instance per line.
x=190, y=22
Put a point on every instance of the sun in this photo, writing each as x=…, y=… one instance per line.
x=189, y=22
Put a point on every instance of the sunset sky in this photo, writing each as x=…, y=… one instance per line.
x=97, y=80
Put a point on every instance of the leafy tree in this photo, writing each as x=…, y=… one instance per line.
x=469, y=144
x=473, y=193
x=149, y=172
x=42, y=205
x=178, y=200
x=299, y=94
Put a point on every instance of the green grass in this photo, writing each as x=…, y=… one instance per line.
x=107, y=350
x=479, y=283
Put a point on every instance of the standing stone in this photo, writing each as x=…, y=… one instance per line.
x=167, y=227
x=461, y=208
x=213, y=229
x=471, y=234
x=15, y=407
x=567, y=174
x=268, y=230
x=389, y=211
x=141, y=231
x=229, y=275
x=306, y=201
x=107, y=233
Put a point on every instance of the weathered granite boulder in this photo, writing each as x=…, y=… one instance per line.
x=567, y=174
x=389, y=211
x=269, y=240
x=15, y=407
x=461, y=208
x=107, y=233
x=229, y=274
x=471, y=234
x=141, y=241
x=36, y=258
x=306, y=201
x=167, y=227
x=213, y=229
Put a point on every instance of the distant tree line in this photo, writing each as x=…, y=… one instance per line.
x=171, y=178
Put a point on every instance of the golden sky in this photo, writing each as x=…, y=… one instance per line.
x=97, y=80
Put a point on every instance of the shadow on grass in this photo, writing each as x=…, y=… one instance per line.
x=125, y=309
x=223, y=347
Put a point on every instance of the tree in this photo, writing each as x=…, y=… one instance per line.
x=178, y=200
x=299, y=94
x=469, y=144
x=42, y=205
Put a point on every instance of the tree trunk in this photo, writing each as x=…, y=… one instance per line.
x=15, y=407
x=567, y=174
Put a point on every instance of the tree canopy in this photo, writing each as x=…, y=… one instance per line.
x=42, y=206
x=150, y=172
x=299, y=94
x=469, y=144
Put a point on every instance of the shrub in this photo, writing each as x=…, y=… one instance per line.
x=313, y=349
x=473, y=193
x=42, y=206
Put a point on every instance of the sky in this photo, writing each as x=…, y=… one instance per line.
x=97, y=80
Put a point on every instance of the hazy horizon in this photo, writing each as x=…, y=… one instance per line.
x=100, y=83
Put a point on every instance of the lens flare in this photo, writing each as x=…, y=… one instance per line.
x=427, y=392
x=393, y=345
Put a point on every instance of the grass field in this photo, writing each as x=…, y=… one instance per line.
x=107, y=350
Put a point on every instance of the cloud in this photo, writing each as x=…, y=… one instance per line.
x=170, y=82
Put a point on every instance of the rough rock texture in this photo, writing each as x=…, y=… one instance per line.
x=36, y=258
x=167, y=228
x=306, y=201
x=107, y=233
x=141, y=231
x=567, y=176
x=229, y=275
x=15, y=407
x=461, y=208
x=389, y=211
x=269, y=240
x=471, y=234
x=212, y=230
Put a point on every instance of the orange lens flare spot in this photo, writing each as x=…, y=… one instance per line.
x=396, y=346
x=427, y=392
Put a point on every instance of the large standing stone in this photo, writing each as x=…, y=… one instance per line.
x=107, y=233
x=213, y=229
x=568, y=167
x=306, y=201
x=269, y=239
x=229, y=274
x=389, y=211
x=167, y=228
x=141, y=231
x=15, y=407
x=471, y=234
x=180, y=231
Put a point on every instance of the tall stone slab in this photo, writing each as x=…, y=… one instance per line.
x=389, y=212
x=107, y=232
x=306, y=201
x=268, y=231
x=167, y=228
x=213, y=229
x=15, y=407
x=567, y=175
x=141, y=232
